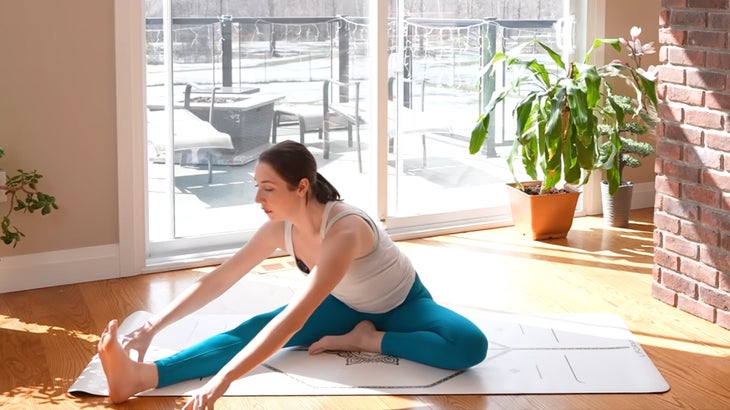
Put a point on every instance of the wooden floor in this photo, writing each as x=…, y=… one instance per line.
x=48, y=336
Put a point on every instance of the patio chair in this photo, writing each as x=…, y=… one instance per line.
x=308, y=118
x=346, y=108
x=193, y=137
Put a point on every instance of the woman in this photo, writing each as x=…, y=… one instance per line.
x=361, y=294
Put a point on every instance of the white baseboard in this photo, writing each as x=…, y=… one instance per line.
x=40, y=270
x=644, y=195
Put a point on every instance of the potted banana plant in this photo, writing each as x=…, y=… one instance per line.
x=557, y=136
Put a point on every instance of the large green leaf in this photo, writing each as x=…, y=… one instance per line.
x=613, y=42
x=479, y=134
x=579, y=112
x=570, y=161
x=557, y=58
x=592, y=80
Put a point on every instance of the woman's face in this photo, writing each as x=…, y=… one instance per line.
x=273, y=193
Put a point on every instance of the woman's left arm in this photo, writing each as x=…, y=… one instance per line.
x=344, y=242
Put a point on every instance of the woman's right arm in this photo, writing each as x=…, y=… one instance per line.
x=266, y=239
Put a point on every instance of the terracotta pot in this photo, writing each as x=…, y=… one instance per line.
x=546, y=216
x=616, y=207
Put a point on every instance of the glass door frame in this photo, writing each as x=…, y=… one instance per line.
x=131, y=145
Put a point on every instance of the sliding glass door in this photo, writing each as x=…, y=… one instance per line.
x=437, y=50
x=225, y=79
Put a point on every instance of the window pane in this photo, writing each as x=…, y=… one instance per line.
x=438, y=49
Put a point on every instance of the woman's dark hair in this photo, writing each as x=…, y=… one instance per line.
x=293, y=161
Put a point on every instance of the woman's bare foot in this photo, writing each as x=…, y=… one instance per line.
x=362, y=338
x=124, y=376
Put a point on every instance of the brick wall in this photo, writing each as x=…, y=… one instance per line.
x=692, y=236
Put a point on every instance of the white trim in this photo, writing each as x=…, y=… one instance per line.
x=129, y=45
x=590, y=24
x=378, y=92
x=40, y=270
x=644, y=194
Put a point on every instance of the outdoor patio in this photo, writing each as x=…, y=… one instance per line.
x=227, y=204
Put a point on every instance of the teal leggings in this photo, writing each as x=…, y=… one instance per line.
x=418, y=329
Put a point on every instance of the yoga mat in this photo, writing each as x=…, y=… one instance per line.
x=528, y=354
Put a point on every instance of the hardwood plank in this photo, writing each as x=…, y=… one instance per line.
x=47, y=336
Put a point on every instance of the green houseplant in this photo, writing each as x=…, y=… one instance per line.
x=20, y=194
x=561, y=105
x=617, y=204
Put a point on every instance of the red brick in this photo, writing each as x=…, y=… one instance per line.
x=674, y=206
x=702, y=157
x=656, y=273
x=671, y=74
x=671, y=112
x=669, y=150
x=725, y=202
x=708, y=80
x=663, y=294
x=696, y=308
x=715, y=257
x=717, y=141
x=663, y=58
x=666, y=222
x=657, y=236
x=715, y=218
x=663, y=22
x=718, y=100
x=674, y=4
x=682, y=246
x=681, y=171
x=718, y=20
x=707, y=4
x=717, y=59
x=701, y=195
x=714, y=297
x=666, y=259
x=717, y=179
x=711, y=39
x=679, y=283
x=690, y=18
x=682, y=56
x=672, y=37
x=659, y=166
x=699, y=272
x=700, y=233
x=704, y=118
x=664, y=185
x=725, y=241
x=724, y=284
x=723, y=319
x=685, y=95
x=680, y=133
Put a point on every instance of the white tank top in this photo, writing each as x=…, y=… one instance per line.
x=376, y=282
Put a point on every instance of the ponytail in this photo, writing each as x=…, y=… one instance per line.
x=323, y=190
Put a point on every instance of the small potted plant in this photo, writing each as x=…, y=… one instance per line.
x=22, y=195
x=557, y=136
x=617, y=204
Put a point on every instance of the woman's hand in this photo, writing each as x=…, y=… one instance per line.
x=204, y=398
x=138, y=340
